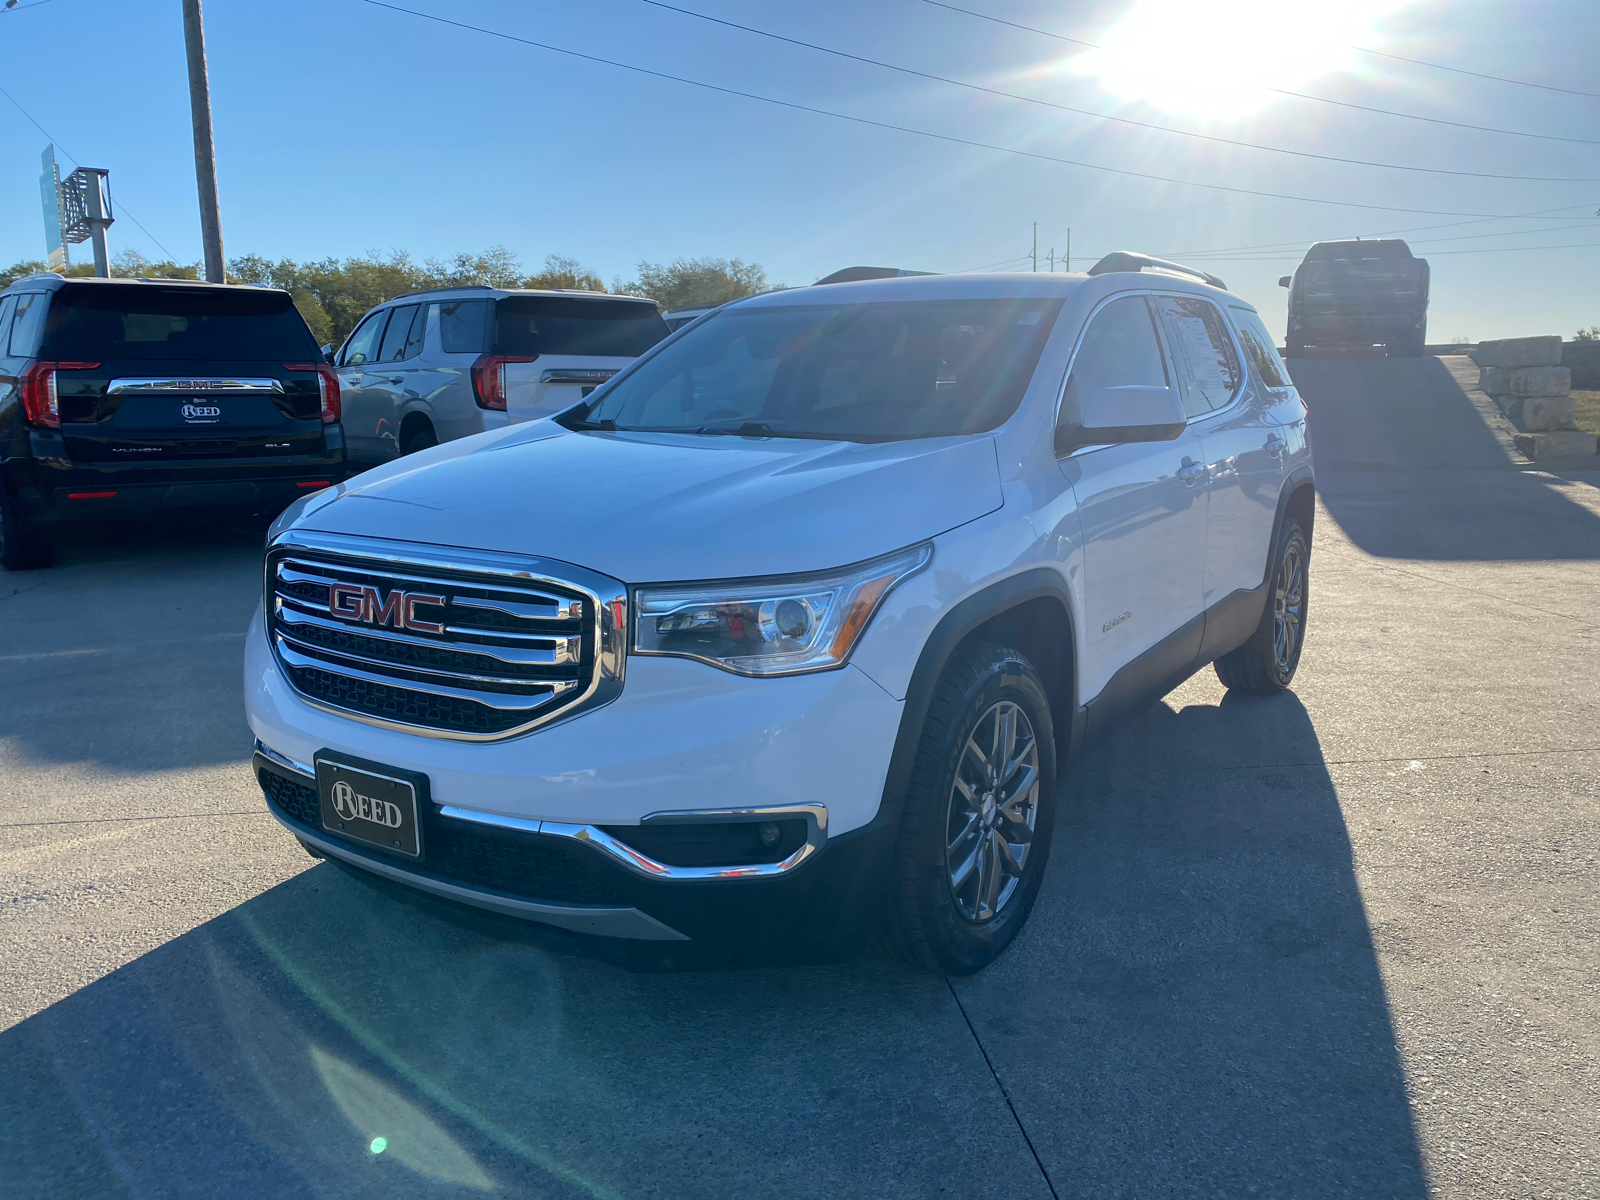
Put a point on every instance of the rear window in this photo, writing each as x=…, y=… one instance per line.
x=1387, y=249
x=140, y=322
x=528, y=325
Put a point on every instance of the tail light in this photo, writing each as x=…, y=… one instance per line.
x=39, y=400
x=489, y=379
x=327, y=388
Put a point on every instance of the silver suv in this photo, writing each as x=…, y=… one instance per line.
x=429, y=367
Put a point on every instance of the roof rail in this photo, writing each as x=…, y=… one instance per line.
x=856, y=274
x=1126, y=260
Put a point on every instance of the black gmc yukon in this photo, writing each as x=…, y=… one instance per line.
x=124, y=398
x=1357, y=294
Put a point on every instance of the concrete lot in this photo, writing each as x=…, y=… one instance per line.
x=1338, y=943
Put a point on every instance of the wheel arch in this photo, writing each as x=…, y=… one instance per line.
x=1030, y=611
x=414, y=420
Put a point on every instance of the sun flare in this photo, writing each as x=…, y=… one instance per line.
x=1219, y=58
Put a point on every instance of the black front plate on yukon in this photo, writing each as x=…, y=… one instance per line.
x=371, y=802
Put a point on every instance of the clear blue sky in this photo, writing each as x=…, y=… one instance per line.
x=343, y=127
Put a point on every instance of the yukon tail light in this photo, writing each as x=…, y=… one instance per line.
x=489, y=379
x=39, y=401
x=327, y=388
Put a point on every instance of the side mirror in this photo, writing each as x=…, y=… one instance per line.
x=1285, y=280
x=327, y=354
x=1115, y=415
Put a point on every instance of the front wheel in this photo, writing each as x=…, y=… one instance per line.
x=1267, y=662
x=979, y=812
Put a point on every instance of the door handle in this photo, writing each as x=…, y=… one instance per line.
x=396, y=378
x=1275, y=444
x=1190, y=471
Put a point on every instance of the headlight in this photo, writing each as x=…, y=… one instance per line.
x=778, y=626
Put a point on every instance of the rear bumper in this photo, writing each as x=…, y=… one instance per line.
x=96, y=499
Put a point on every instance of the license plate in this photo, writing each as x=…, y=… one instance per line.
x=369, y=805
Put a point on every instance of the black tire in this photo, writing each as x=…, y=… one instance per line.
x=421, y=438
x=1267, y=662
x=934, y=922
x=24, y=543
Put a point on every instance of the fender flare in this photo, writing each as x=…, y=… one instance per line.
x=989, y=602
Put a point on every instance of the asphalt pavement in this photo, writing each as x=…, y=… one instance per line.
x=1342, y=942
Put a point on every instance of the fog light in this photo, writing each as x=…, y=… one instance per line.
x=769, y=833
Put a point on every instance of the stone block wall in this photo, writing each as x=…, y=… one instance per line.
x=1525, y=378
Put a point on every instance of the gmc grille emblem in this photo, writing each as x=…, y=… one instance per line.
x=353, y=602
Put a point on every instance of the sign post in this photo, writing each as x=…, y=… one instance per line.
x=86, y=212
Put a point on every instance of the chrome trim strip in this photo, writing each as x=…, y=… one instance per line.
x=295, y=658
x=283, y=760
x=292, y=570
x=815, y=815
x=578, y=375
x=604, y=606
x=597, y=920
x=561, y=651
x=258, y=385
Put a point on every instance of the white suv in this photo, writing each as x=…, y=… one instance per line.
x=798, y=616
x=433, y=366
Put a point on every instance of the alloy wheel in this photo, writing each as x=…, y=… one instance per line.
x=994, y=803
x=1288, y=606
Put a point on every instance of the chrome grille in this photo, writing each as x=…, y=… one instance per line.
x=474, y=646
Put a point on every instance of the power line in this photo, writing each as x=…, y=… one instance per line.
x=1301, y=95
x=1543, y=87
x=1099, y=116
x=126, y=211
x=1540, y=214
x=940, y=137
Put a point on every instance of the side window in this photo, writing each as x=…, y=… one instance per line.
x=28, y=324
x=1259, y=347
x=419, y=326
x=394, y=341
x=1203, y=352
x=363, y=344
x=7, y=307
x=1119, y=348
x=464, y=326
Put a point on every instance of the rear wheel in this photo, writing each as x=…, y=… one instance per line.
x=1266, y=663
x=24, y=543
x=976, y=831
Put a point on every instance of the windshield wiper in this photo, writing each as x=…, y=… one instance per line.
x=748, y=429
x=607, y=425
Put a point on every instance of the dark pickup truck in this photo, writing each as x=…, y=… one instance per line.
x=1357, y=294
x=143, y=398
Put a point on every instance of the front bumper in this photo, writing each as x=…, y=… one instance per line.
x=573, y=883
x=520, y=824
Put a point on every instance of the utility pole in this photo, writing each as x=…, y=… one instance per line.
x=1035, y=255
x=205, y=159
x=1052, y=260
x=1066, y=260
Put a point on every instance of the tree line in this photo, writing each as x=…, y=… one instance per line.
x=333, y=293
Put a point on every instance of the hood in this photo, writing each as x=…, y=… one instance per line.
x=647, y=508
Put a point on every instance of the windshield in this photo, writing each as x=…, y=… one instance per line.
x=528, y=325
x=108, y=321
x=861, y=372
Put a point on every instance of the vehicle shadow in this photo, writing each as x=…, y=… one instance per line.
x=128, y=651
x=1408, y=468
x=325, y=1039
x=1196, y=1007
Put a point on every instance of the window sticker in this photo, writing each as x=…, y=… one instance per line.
x=1201, y=352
